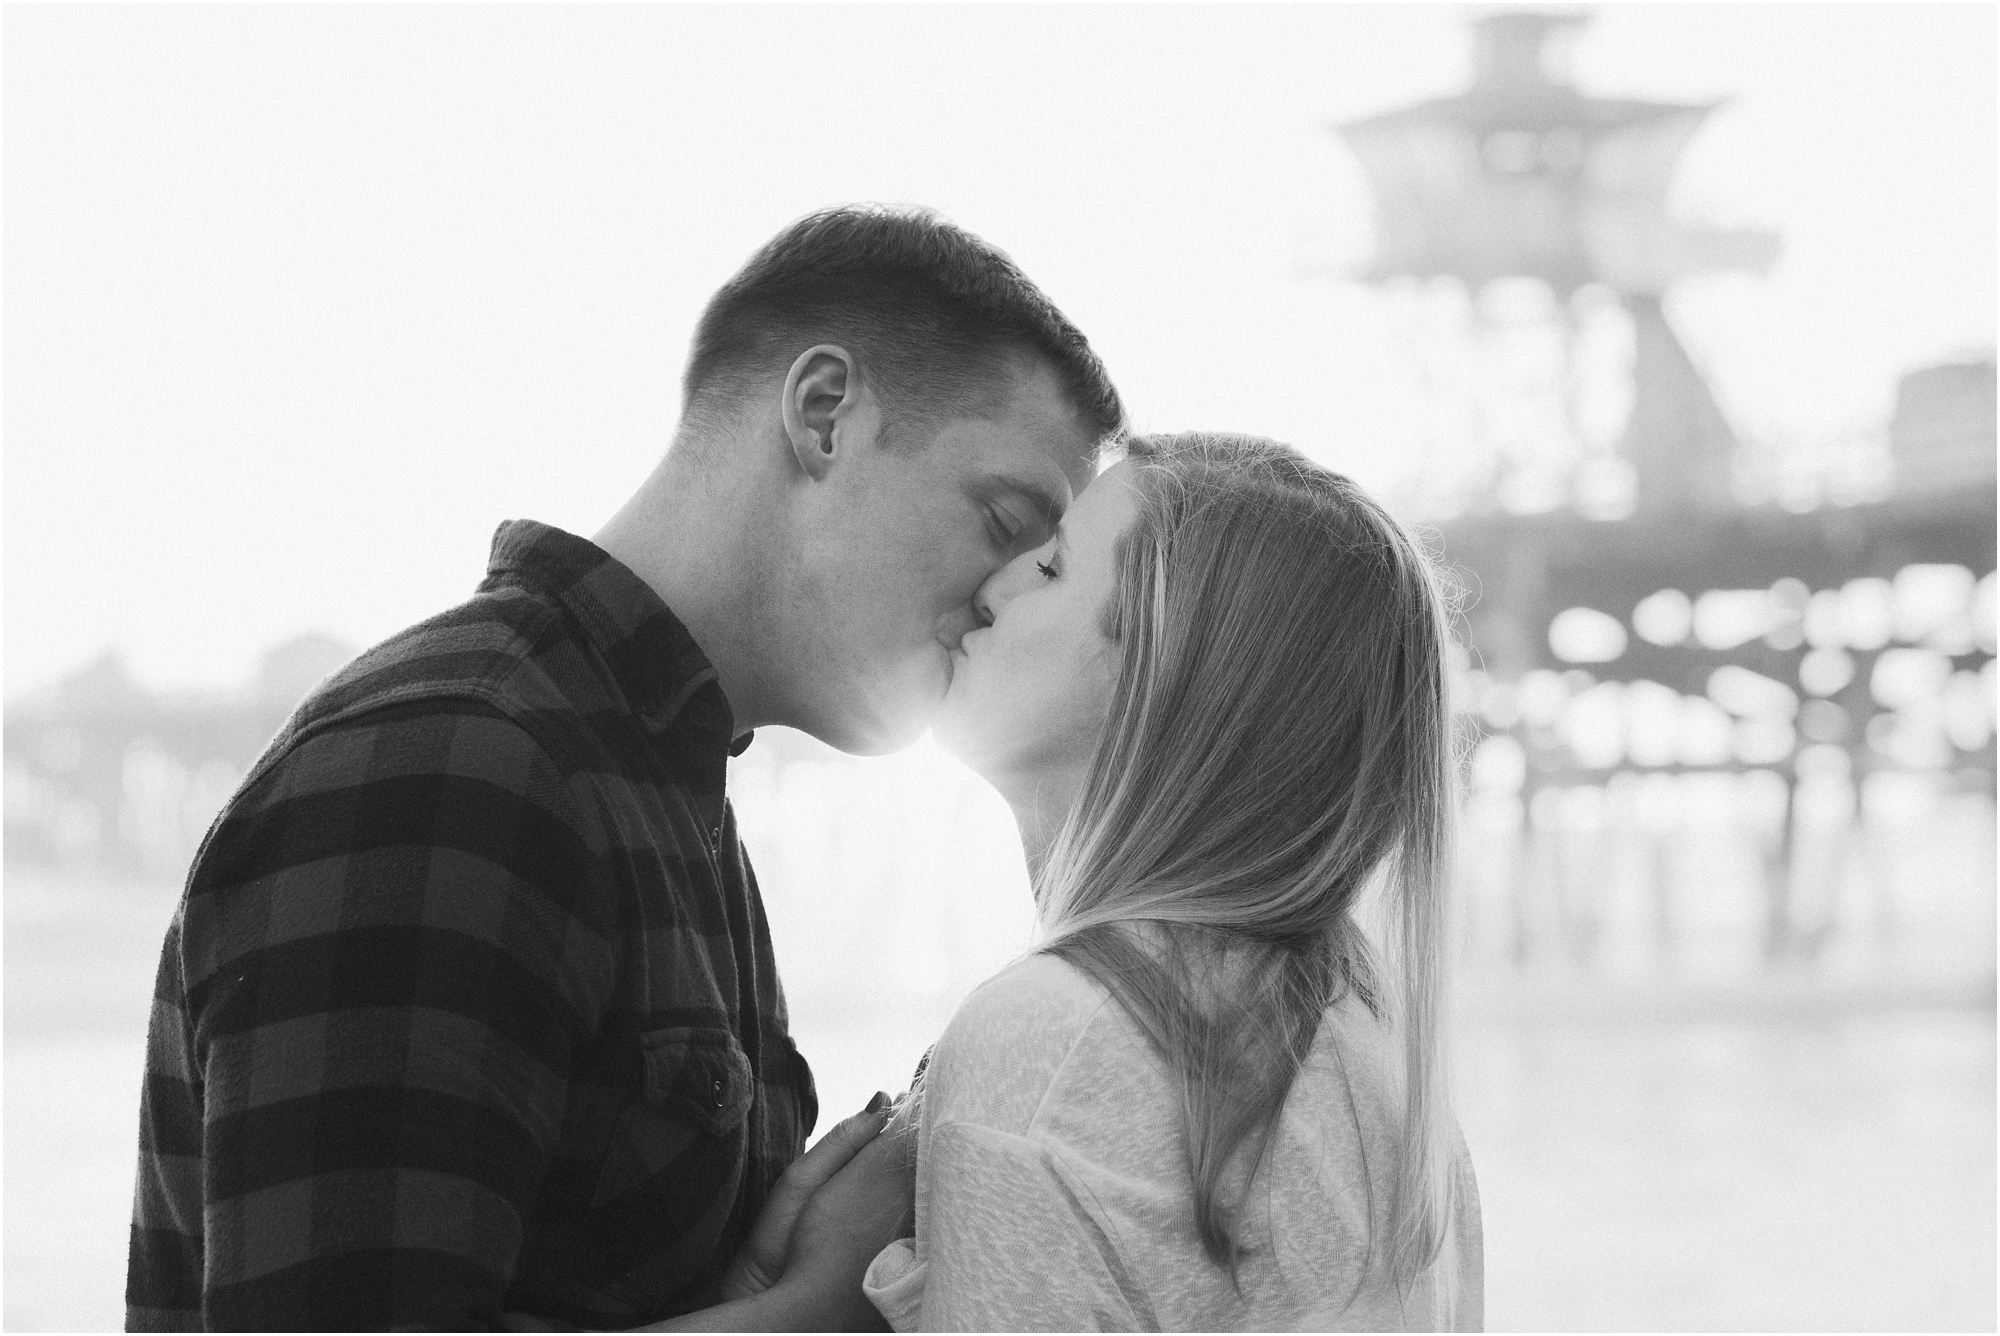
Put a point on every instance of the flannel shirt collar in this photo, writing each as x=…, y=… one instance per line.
x=665, y=675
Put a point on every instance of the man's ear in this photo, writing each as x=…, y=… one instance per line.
x=825, y=407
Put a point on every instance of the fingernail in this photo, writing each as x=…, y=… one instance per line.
x=879, y=1102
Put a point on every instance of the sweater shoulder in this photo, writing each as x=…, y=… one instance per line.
x=1010, y=1041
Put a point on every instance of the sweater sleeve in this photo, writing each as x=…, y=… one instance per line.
x=1014, y=1243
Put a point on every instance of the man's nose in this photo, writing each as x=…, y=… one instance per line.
x=1000, y=586
x=966, y=617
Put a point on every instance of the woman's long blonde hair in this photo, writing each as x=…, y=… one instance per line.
x=1278, y=739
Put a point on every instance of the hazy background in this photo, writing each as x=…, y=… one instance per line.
x=302, y=301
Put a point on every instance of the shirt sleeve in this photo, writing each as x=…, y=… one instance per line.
x=1013, y=1243
x=383, y=943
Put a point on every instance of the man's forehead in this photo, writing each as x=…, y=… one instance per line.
x=1038, y=408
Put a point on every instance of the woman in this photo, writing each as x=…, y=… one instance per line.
x=1215, y=702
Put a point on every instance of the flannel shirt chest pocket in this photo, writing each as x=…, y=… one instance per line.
x=683, y=1134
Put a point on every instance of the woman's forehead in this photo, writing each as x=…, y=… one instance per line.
x=1108, y=503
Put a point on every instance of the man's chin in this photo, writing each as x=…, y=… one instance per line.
x=891, y=717
x=879, y=743
x=887, y=730
x=952, y=726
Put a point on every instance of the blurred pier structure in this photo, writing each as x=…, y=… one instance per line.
x=106, y=778
x=1734, y=712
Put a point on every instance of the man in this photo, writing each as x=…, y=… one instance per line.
x=470, y=1006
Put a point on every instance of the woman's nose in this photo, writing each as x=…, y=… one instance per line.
x=954, y=625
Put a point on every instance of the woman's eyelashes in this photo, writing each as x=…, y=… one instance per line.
x=1048, y=569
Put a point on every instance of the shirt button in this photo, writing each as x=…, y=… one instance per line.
x=714, y=835
x=718, y=1094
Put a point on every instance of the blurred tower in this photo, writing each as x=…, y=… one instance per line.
x=1522, y=177
x=1526, y=227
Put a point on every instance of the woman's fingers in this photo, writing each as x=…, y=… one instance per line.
x=838, y=1146
x=762, y=1258
x=758, y=1263
x=804, y=1175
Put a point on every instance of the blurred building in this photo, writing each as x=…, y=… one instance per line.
x=1710, y=702
x=104, y=776
x=1941, y=435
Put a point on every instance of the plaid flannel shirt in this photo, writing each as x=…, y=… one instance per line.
x=470, y=1003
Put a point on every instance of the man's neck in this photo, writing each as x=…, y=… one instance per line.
x=683, y=534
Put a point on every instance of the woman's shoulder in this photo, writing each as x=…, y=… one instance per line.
x=1036, y=1006
x=1041, y=984
x=1011, y=1040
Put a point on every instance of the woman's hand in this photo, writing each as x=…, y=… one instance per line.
x=849, y=1220
x=828, y=1215
x=761, y=1260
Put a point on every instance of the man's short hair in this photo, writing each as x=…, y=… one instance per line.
x=936, y=317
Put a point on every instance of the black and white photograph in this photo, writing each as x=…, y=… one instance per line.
x=999, y=667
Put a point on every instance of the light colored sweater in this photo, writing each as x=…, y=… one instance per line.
x=1053, y=1190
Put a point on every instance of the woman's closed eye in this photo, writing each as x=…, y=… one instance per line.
x=1048, y=569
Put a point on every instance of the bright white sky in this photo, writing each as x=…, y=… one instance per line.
x=301, y=301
